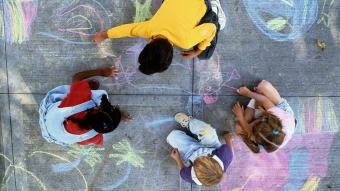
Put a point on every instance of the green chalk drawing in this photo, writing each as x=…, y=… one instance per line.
x=90, y=153
x=123, y=152
x=277, y=24
x=143, y=11
x=288, y=2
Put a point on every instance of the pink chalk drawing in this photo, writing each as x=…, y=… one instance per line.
x=302, y=161
x=211, y=79
x=18, y=17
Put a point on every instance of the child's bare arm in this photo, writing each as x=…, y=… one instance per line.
x=228, y=139
x=261, y=100
x=175, y=155
x=239, y=113
x=106, y=72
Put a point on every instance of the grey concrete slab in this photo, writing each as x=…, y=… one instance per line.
x=3, y=73
x=308, y=161
x=294, y=64
x=7, y=166
x=60, y=45
x=141, y=161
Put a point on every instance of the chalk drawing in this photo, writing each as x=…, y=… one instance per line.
x=124, y=152
x=157, y=122
x=120, y=181
x=311, y=184
x=90, y=153
x=78, y=21
x=31, y=174
x=297, y=169
x=301, y=164
x=65, y=167
x=324, y=15
x=128, y=73
x=282, y=20
x=16, y=20
x=2, y=30
x=211, y=79
x=315, y=115
x=143, y=11
x=195, y=102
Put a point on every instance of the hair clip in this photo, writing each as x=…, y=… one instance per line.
x=275, y=132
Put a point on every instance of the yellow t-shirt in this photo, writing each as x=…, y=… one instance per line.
x=175, y=20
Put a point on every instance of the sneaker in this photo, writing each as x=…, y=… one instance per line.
x=183, y=119
x=216, y=8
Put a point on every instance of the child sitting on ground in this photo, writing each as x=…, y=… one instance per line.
x=80, y=113
x=268, y=121
x=201, y=151
x=186, y=24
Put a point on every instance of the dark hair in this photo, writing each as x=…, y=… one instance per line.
x=104, y=121
x=156, y=56
x=268, y=133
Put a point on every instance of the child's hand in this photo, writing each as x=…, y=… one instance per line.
x=190, y=54
x=175, y=154
x=238, y=110
x=109, y=71
x=126, y=116
x=99, y=37
x=244, y=91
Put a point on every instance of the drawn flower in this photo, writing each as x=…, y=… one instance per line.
x=124, y=152
x=89, y=153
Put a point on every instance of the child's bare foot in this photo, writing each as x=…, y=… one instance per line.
x=244, y=91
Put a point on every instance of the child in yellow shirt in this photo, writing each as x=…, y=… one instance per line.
x=184, y=23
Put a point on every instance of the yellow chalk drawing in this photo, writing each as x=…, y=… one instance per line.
x=143, y=11
x=19, y=168
x=123, y=152
x=65, y=160
x=17, y=22
x=90, y=153
x=311, y=184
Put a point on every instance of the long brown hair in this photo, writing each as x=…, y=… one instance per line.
x=208, y=170
x=267, y=131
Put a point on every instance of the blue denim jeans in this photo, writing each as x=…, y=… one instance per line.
x=191, y=148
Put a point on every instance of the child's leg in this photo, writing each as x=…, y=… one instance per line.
x=205, y=133
x=267, y=89
x=183, y=142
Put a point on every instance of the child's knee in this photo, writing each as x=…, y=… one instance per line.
x=264, y=85
x=173, y=135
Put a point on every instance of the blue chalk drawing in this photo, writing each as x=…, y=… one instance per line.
x=120, y=181
x=65, y=167
x=297, y=169
x=62, y=39
x=299, y=14
x=159, y=121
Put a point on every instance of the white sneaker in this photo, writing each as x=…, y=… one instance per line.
x=216, y=7
x=183, y=119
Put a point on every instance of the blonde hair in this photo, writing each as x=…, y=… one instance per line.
x=208, y=171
